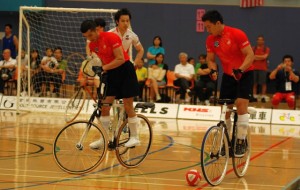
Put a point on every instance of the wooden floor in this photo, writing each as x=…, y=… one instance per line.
x=26, y=160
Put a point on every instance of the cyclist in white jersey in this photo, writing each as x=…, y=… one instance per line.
x=128, y=37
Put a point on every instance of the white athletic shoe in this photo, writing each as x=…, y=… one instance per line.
x=133, y=141
x=97, y=144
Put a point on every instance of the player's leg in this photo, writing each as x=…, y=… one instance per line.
x=104, y=120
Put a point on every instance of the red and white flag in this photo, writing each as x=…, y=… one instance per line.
x=251, y=3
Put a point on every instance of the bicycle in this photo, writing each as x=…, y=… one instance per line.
x=217, y=148
x=71, y=146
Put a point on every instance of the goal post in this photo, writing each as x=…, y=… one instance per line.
x=43, y=28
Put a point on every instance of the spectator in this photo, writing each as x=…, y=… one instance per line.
x=286, y=78
x=201, y=59
x=157, y=77
x=154, y=50
x=49, y=66
x=10, y=41
x=24, y=73
x=128, y=37
x=142, y=75
x=36, y=74
x=159, y=59
x=191, y=61
x=7, y=67
x=184, y=73
x=204, y=86
x=260, y=63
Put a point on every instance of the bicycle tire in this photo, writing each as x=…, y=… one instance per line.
x=240, y=165
x=134, y=156
x=76, y=158
x=75, y=105
x=213, y=163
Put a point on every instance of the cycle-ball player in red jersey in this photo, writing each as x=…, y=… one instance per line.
x=234, y=51
x=121, y=78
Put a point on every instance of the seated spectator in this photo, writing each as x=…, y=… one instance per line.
x=204, y=86
x=35, y=71
x=7, y=67
x=201, y=57
x=142, y=75
x=286, y=78
x=157, y=77
x=24, y=72
x=159, y=59
x=184, y=73
x=191, y=61
x=154, y=50
x=49, y=66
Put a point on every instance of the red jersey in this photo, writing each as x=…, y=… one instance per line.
x=228, y=47
x=260, y=64
x=105, y=45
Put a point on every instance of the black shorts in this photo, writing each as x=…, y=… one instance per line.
x=232, y=89
x=122, y=82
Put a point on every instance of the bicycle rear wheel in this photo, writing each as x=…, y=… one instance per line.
x=214, y=162
x=71, y=147
x=75, y=105
x=240, y=165
x=134, y=156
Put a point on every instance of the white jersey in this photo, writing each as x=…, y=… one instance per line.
x=129, y=38
x=49, y=60
x=185, y=70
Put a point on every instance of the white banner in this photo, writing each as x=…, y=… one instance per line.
x=199, y=112
x=195, y=125
x=287, y=117
x=160, y=110
x=262, y=116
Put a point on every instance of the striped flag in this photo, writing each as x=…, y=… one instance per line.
x=251, y=3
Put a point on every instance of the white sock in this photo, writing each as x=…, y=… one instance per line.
x=105, y=121
x=242, y=126
x=133, y=125
x=229, y=127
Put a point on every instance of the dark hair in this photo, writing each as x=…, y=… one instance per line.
x=213, y=16
x=119, y=13
x=87, y=25
x=47, y=48
x=58, y=48
x=202, y=55
x=190, y=58
x=38, y=56
x=100, y=22
x=160, y=44
x=9, y=25
x=288, y=57
x=159, y=54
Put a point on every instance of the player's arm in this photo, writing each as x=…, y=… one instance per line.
x=211, y=62
x=118, y=61
x=249, y=57
x=140, y=52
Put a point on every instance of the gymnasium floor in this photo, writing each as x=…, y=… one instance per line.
x=26, y=160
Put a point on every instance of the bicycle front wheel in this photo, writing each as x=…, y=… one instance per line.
x=71, y=147
x=214, y=158
x=134, y=156
x=75, y=105
x=240, y=165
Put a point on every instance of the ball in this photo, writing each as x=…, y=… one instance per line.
x=193, y=177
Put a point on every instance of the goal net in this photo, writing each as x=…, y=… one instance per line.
x=53, y=35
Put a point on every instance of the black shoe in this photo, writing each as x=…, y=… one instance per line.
x=190, y=93
x=263, y=100
x=240, y=148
